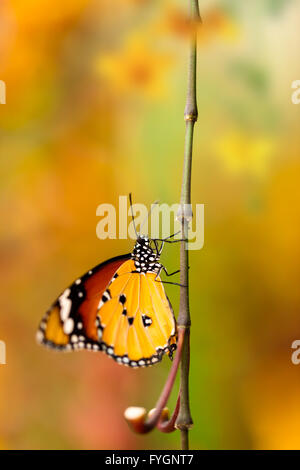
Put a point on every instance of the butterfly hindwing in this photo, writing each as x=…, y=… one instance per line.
x=137, y=320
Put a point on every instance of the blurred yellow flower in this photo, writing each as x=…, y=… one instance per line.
x=175, y=21
x=215, y=24
x=136, y=68
x=241, y=152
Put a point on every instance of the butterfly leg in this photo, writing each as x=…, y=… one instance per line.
x=176, y=241
x=158, y=249
x=168, y=274
x=166, y=240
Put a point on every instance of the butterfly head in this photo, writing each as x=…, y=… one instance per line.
x=143, y=240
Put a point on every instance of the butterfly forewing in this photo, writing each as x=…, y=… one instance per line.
x=71, y=321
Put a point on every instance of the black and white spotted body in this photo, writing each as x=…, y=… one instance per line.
x=145, y=259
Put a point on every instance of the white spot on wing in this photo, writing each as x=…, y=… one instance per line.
x=39, y=336
x=65, y=304
x=68, y=326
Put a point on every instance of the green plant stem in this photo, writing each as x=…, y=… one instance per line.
x=184, y=420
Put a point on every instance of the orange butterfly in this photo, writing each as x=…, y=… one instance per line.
x=120, y=307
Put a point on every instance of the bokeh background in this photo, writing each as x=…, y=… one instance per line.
x=95, y=99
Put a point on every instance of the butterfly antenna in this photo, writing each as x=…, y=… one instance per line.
x=132, y=215
x=149, y=213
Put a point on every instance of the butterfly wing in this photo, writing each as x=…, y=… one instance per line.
x=71, y=322
x=136, y=318
x=115, y=309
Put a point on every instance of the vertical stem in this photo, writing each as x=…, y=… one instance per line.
x=184, y=420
